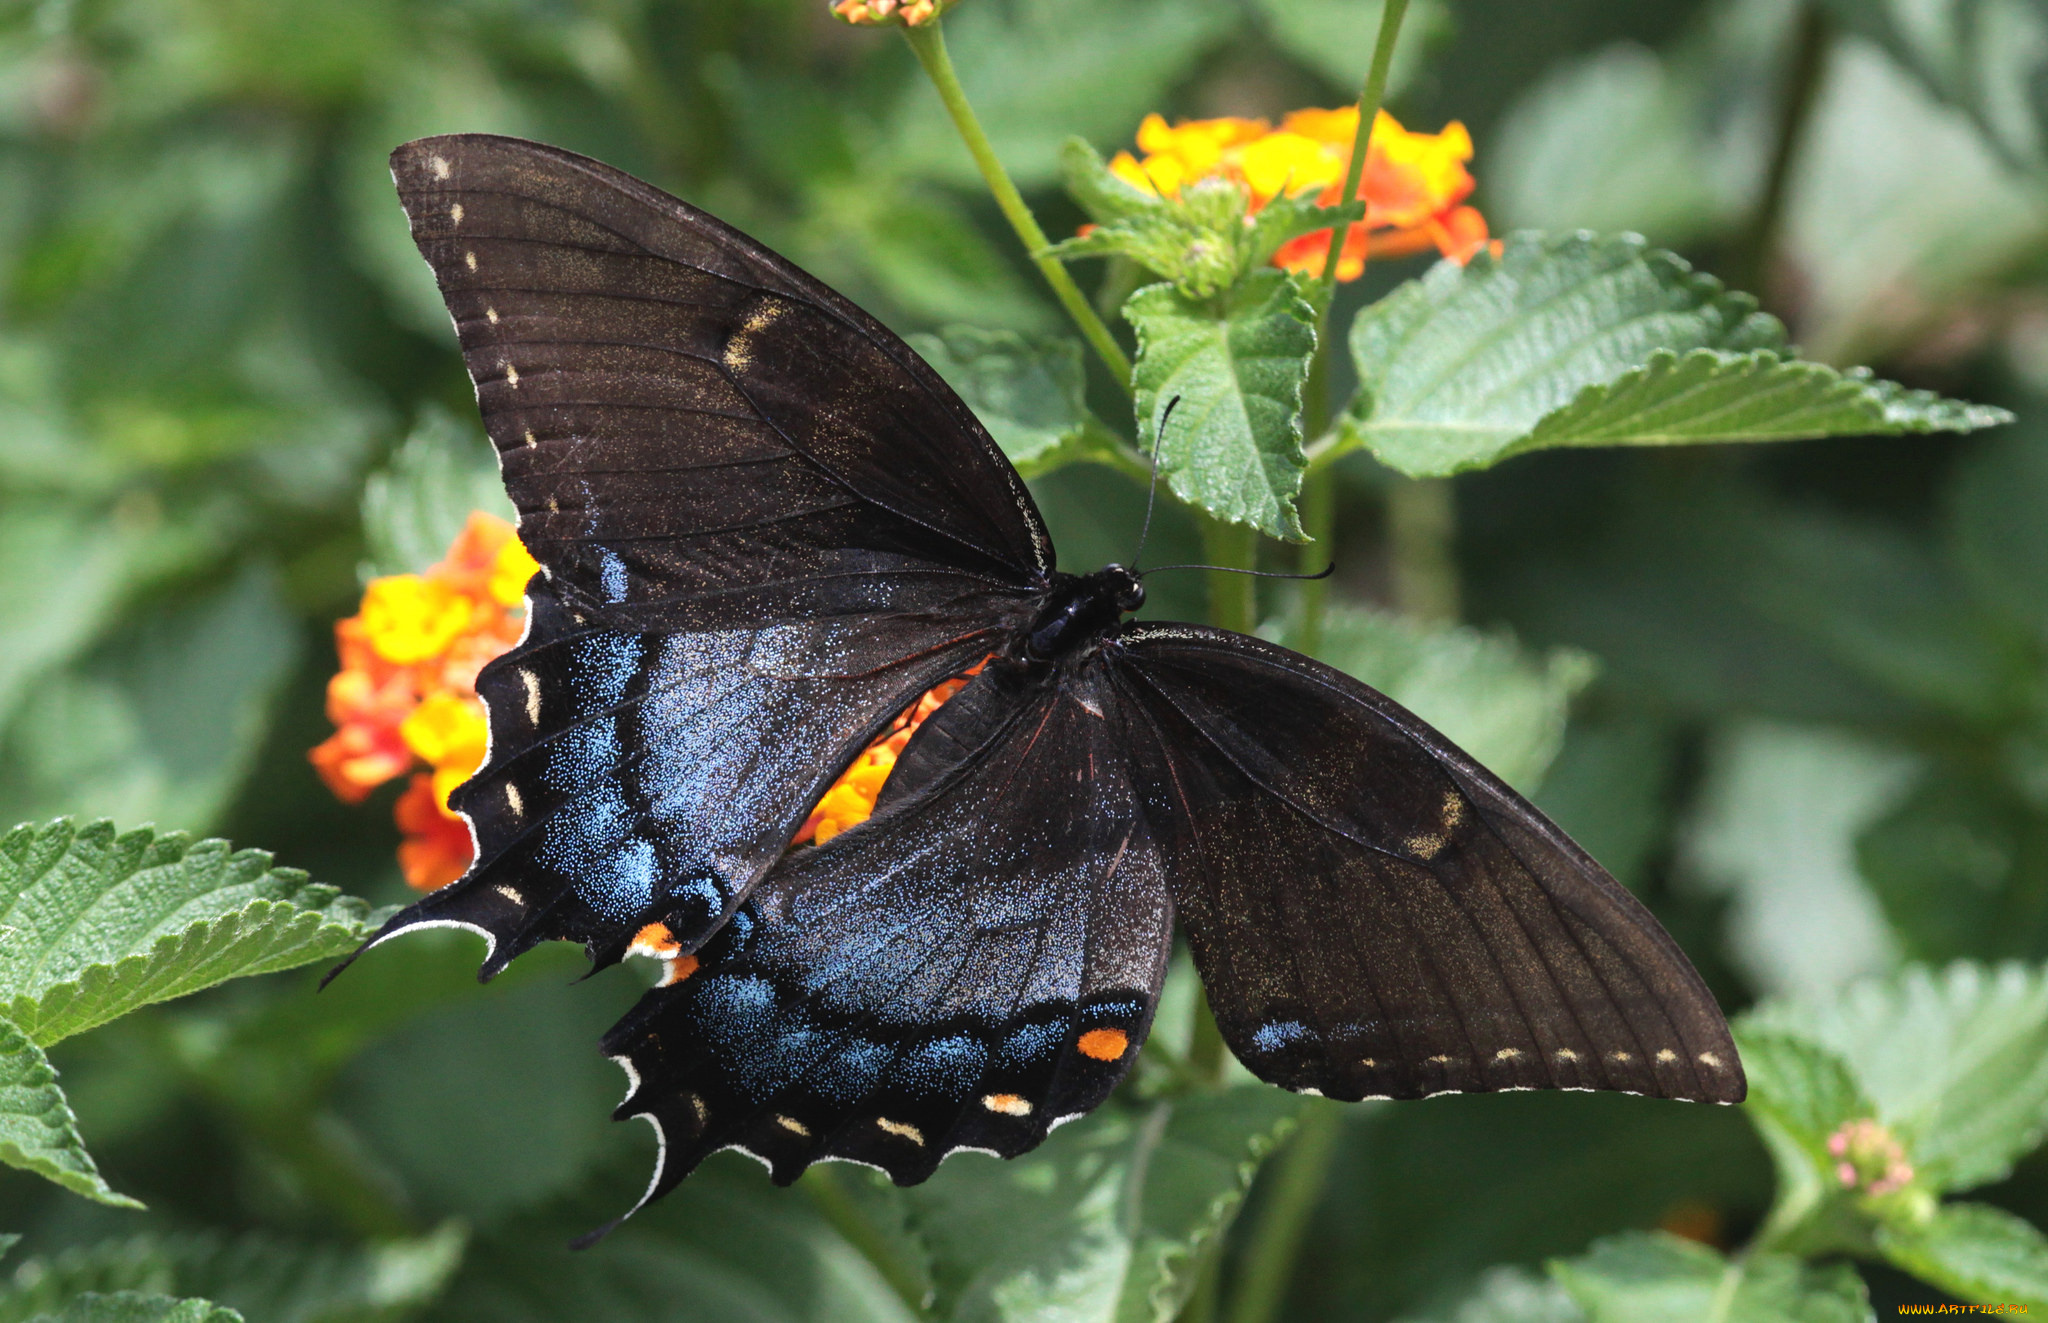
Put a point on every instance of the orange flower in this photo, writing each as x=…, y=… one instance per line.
x=1414, y=184
x=870, y=13
x=852, y=797
x=406, y=692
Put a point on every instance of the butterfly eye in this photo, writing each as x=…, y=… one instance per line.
x=1132, y=597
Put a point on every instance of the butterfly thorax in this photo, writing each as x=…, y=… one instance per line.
x=1080, y=608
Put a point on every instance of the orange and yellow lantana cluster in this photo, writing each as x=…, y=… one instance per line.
x=852, y=797
x=869, y=13
x=1414, y=184
x=406, y=692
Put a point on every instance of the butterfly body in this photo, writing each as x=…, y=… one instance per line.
x=766, y=529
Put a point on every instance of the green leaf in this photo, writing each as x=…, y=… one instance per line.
x=163, y=721
x=725, y=1247
x=1490, y=696
x=414, y=508
x=1512, y=1295
x=1237, y=364
x=132, y=1307
x=262, y=1276
x=1799, y=1094
x=1202, y=239
x=1027, y=390
x=1987, y=58
x=1955, y=1060
x=1653, y=1277
x=38, y=1133
x=1574, y=340
x=1774, y=828
x=100, y=924
x=1975, y=1252
x=1109, y=1219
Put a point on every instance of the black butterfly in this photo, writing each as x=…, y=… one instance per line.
x=765, y=528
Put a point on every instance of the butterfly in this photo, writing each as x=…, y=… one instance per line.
x=765, y=527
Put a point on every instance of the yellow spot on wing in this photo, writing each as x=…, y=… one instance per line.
x=440, y=166
x=901, y=1131
x=794, y=1126
x=512, y=376
x=1104, y=1044
x=1009, y=1104
x=491, y=315
x=1666, y=1055
x=1508, y=1054
x=469, y=260
x=1566, y=1054
x=532, y=683
x=514, y=801
x=1709, y=1059
x=455, y=214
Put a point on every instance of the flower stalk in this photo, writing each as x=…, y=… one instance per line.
x=928, y=43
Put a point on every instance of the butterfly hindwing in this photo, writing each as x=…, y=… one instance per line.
x=696, y=433
x=966, y=969
x=1375, y=915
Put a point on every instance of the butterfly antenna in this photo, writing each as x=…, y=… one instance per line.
x=1152, y=491
x=1323, y=573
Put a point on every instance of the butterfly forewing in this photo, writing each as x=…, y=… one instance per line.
x=696, y=433
x=764, y=527
x=1375, y=915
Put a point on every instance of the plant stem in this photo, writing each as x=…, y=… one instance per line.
x=1422, y=524
x=1318, y=492
x=1233, y=599
x=1751, y=260
x=930, y=48
x=1274, y=1242
x=837, y=1206
x=1369, y=99
x=1318, y=520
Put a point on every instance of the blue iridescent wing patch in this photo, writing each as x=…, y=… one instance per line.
x=975, y=964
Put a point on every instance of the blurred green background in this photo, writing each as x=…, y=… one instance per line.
x=1818, y=743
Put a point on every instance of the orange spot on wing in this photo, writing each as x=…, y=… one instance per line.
x=1104, y=1044
x=679, y=969
x=655, y=940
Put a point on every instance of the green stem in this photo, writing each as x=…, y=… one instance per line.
x=1750, y=267
x=1202, y=1304
x=1233, y=599
x=1422, y=524
x=1369, y=100
x=930, y=48
x=1274, y=1242
x=831, y=1199
x=1318, y=521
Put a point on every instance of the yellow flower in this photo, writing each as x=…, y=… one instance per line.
x=408, y=618
x=510, y=572
x=447, y=730
x=1413, y=184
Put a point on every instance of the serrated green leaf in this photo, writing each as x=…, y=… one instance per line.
x=1102, y=194
x=1955, y=1060
x=1653, y=1277
x=1202, y=239
x=1027, y=390
x=262, y=1276
x=133, y=1307
x=1237, y=364
x=99, y=924
x=1975, y=1252
x=1491, y=697
x=1577, y=340
x=1799, y=1094
x=414, y=508
x=1109, y=1219
x=38, y=1133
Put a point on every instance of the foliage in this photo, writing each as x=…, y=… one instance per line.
x=1791, y=694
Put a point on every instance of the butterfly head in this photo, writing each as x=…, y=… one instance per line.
x=1080, y=608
